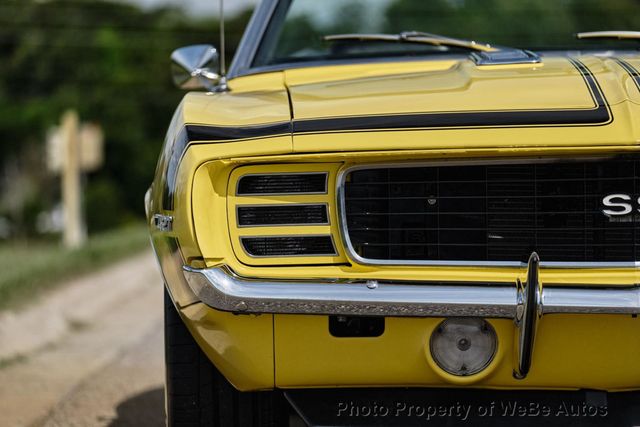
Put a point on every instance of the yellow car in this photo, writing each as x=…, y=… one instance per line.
x=364, y=222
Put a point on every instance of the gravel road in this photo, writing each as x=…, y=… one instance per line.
x=127, y=392
x=106, y=369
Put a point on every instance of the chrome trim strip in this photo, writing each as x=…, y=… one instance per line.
x=501, y=57
x=221, y=289
x=613, y=301
x=528, y=312
x=326, y=184
x=162, y=222
x=333, y=243
x=252, y=38
x=351, y=253
x=310, y=224
x=635, y=35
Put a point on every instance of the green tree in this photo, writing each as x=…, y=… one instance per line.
x=523, y=23
x=109, y=61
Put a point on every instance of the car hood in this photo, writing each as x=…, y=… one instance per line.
x=562, y=101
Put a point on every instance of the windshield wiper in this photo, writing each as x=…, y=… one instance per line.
x=481, y=54
x=414, y=37
x=619, y=35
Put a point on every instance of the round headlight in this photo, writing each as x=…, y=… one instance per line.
x=463, y=347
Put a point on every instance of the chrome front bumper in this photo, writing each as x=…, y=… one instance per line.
x=221, y=289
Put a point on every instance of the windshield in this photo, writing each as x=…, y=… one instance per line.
x=298, y=32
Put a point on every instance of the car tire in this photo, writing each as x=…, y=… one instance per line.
x=197, y=394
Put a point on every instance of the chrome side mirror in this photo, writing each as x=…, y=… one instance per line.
x=196, y=67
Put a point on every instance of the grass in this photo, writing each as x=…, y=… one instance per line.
x=5, y=363
x=27, y=269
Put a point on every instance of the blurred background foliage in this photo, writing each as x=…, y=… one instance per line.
x=522, y=23
x=530, y=24
x=110, y=62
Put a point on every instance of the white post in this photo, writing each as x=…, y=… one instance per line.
x=223, y=43
x=75, y=234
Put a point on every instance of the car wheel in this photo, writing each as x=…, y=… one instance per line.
x=198, y=395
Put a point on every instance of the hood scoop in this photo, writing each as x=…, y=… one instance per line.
x=505, y=56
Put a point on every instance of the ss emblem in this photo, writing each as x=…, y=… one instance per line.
x=621, y=204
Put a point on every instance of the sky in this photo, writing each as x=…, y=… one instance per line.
x=199, y=7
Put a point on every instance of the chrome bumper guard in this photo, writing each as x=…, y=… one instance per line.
x=221, y=289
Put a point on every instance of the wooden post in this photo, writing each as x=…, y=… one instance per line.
x=75, y=234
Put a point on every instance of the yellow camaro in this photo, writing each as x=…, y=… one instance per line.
x=365, y=224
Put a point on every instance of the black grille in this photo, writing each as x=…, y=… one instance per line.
x=282, y=215
x=283, y=184
x=500, y=212
x=289, y=246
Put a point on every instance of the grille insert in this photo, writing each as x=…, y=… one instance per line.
x=274, y=215
x=289, y=246
x=492, y=213
x=273, y=184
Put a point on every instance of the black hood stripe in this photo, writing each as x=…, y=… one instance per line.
x=633, y=72
x=598, y=115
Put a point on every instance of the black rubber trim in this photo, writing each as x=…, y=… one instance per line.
x=175, y=157
x=200, y=133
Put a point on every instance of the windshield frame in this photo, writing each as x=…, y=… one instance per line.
x=252, y=38
x=268, y=10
